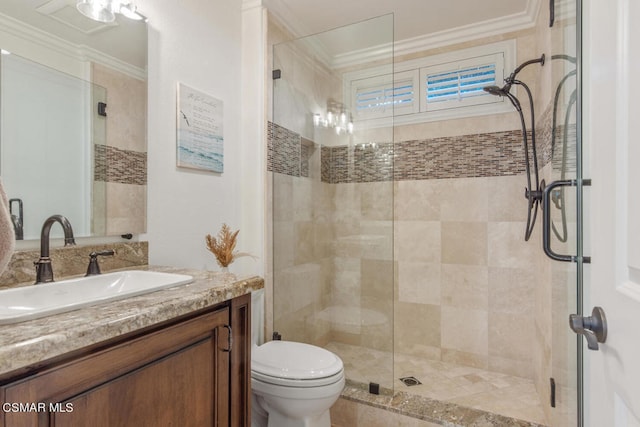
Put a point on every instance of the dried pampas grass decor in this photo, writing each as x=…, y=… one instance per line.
x=223, y=246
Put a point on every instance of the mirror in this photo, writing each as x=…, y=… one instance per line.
x=73, y=118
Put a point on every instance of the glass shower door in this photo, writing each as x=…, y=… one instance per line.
x=565, y=228
x=332, y=195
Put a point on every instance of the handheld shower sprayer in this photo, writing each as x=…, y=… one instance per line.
x=533, y=196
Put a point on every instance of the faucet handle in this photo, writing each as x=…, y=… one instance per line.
x=94, y=267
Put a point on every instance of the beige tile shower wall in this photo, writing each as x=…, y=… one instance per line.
x=362, y=251
x=126, y=108
x=328, y=239
x=465, y=276
x=305, y=85
x=301, y=257
x=122, y=186
x=466, y=279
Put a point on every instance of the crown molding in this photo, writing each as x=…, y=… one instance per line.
x=505, y=24
x=61, y=46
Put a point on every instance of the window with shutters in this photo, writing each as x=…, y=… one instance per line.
x=381, y=96
x=431, y=88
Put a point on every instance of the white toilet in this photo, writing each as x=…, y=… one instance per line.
x=293, y=384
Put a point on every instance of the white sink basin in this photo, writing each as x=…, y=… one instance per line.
x=32, y=302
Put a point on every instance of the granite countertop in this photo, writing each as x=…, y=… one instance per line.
x=25, y=345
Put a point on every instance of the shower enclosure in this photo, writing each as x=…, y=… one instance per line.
x=332, y=193
x=400, y=246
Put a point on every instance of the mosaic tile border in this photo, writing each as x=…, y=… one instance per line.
x=307, y=147
x=122, y=166
x=424, y=408
x=284, y=151
x=467, y=156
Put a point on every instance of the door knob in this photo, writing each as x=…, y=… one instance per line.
x=594, y=327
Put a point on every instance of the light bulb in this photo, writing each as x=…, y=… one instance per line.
x=330, y=118
x=98, y=10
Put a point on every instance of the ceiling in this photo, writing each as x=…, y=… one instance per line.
x=124, y=39
x=412, y=19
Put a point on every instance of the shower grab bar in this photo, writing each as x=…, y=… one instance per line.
x=546, y=220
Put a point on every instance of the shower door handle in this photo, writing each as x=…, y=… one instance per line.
x=546, y=220
x=594, y=327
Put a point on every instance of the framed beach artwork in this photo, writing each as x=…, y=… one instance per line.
x=200, y=137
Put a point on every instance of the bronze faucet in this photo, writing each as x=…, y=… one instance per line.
x=44, y=272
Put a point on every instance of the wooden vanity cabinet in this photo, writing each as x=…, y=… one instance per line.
x=180, y=374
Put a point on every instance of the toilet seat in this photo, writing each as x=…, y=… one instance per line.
x=294, y=364
x=286, y=382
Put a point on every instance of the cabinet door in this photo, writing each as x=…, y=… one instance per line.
x=177, y=390
x=176, y=376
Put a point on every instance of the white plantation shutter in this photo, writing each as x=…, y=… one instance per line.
x=460, y=84
x=380, y=96
x=436, y=87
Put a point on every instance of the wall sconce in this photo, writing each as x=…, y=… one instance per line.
x=337, y=117
x=105, y=10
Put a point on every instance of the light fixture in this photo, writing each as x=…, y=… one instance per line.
x=105, y=10
x=337, y=118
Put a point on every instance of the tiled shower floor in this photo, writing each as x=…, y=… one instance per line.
x=466, y=386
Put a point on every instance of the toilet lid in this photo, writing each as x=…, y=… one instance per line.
x=294, y=360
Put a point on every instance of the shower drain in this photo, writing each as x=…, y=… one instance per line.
x=410, y=381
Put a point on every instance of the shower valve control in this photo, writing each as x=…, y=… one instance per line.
x=594, y=327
